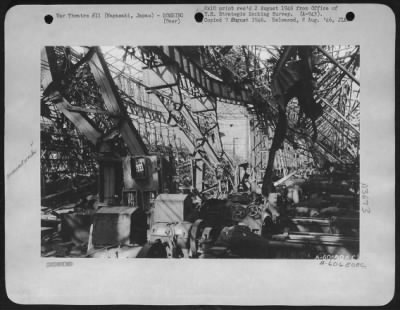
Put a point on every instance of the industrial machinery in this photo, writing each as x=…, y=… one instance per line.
x=304, y=225
x=139, y=213
x=189, y=230
x=128, y=212
x=172, y=218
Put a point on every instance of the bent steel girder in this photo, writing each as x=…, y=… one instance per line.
x=49, y=73
x=184, y=90
x=65, y=134
x=163, y=85
x=187, y=125
x=114, y=103
x=148, y=117
x=196, y=114
x=167, y=114
x=337, y=120
x=106, y=111
x=193, y=71
x=162, y=92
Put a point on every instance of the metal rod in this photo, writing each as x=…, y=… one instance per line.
x=333, y=60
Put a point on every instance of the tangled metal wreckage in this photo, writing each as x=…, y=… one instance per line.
x=134, y=161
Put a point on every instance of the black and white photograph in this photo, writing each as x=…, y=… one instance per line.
x=200, y=154
x=200, y=151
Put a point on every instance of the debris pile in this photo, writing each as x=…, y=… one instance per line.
x=65, y=229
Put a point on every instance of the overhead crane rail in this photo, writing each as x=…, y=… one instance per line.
x=195, y=73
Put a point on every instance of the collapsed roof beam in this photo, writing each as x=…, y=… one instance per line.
x=196, y=74
x=49, y=75
x=114, y=103
x=167, y=76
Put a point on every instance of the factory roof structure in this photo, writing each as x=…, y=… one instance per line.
x=301, y=102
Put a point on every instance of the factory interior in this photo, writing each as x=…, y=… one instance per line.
x=198, y=152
